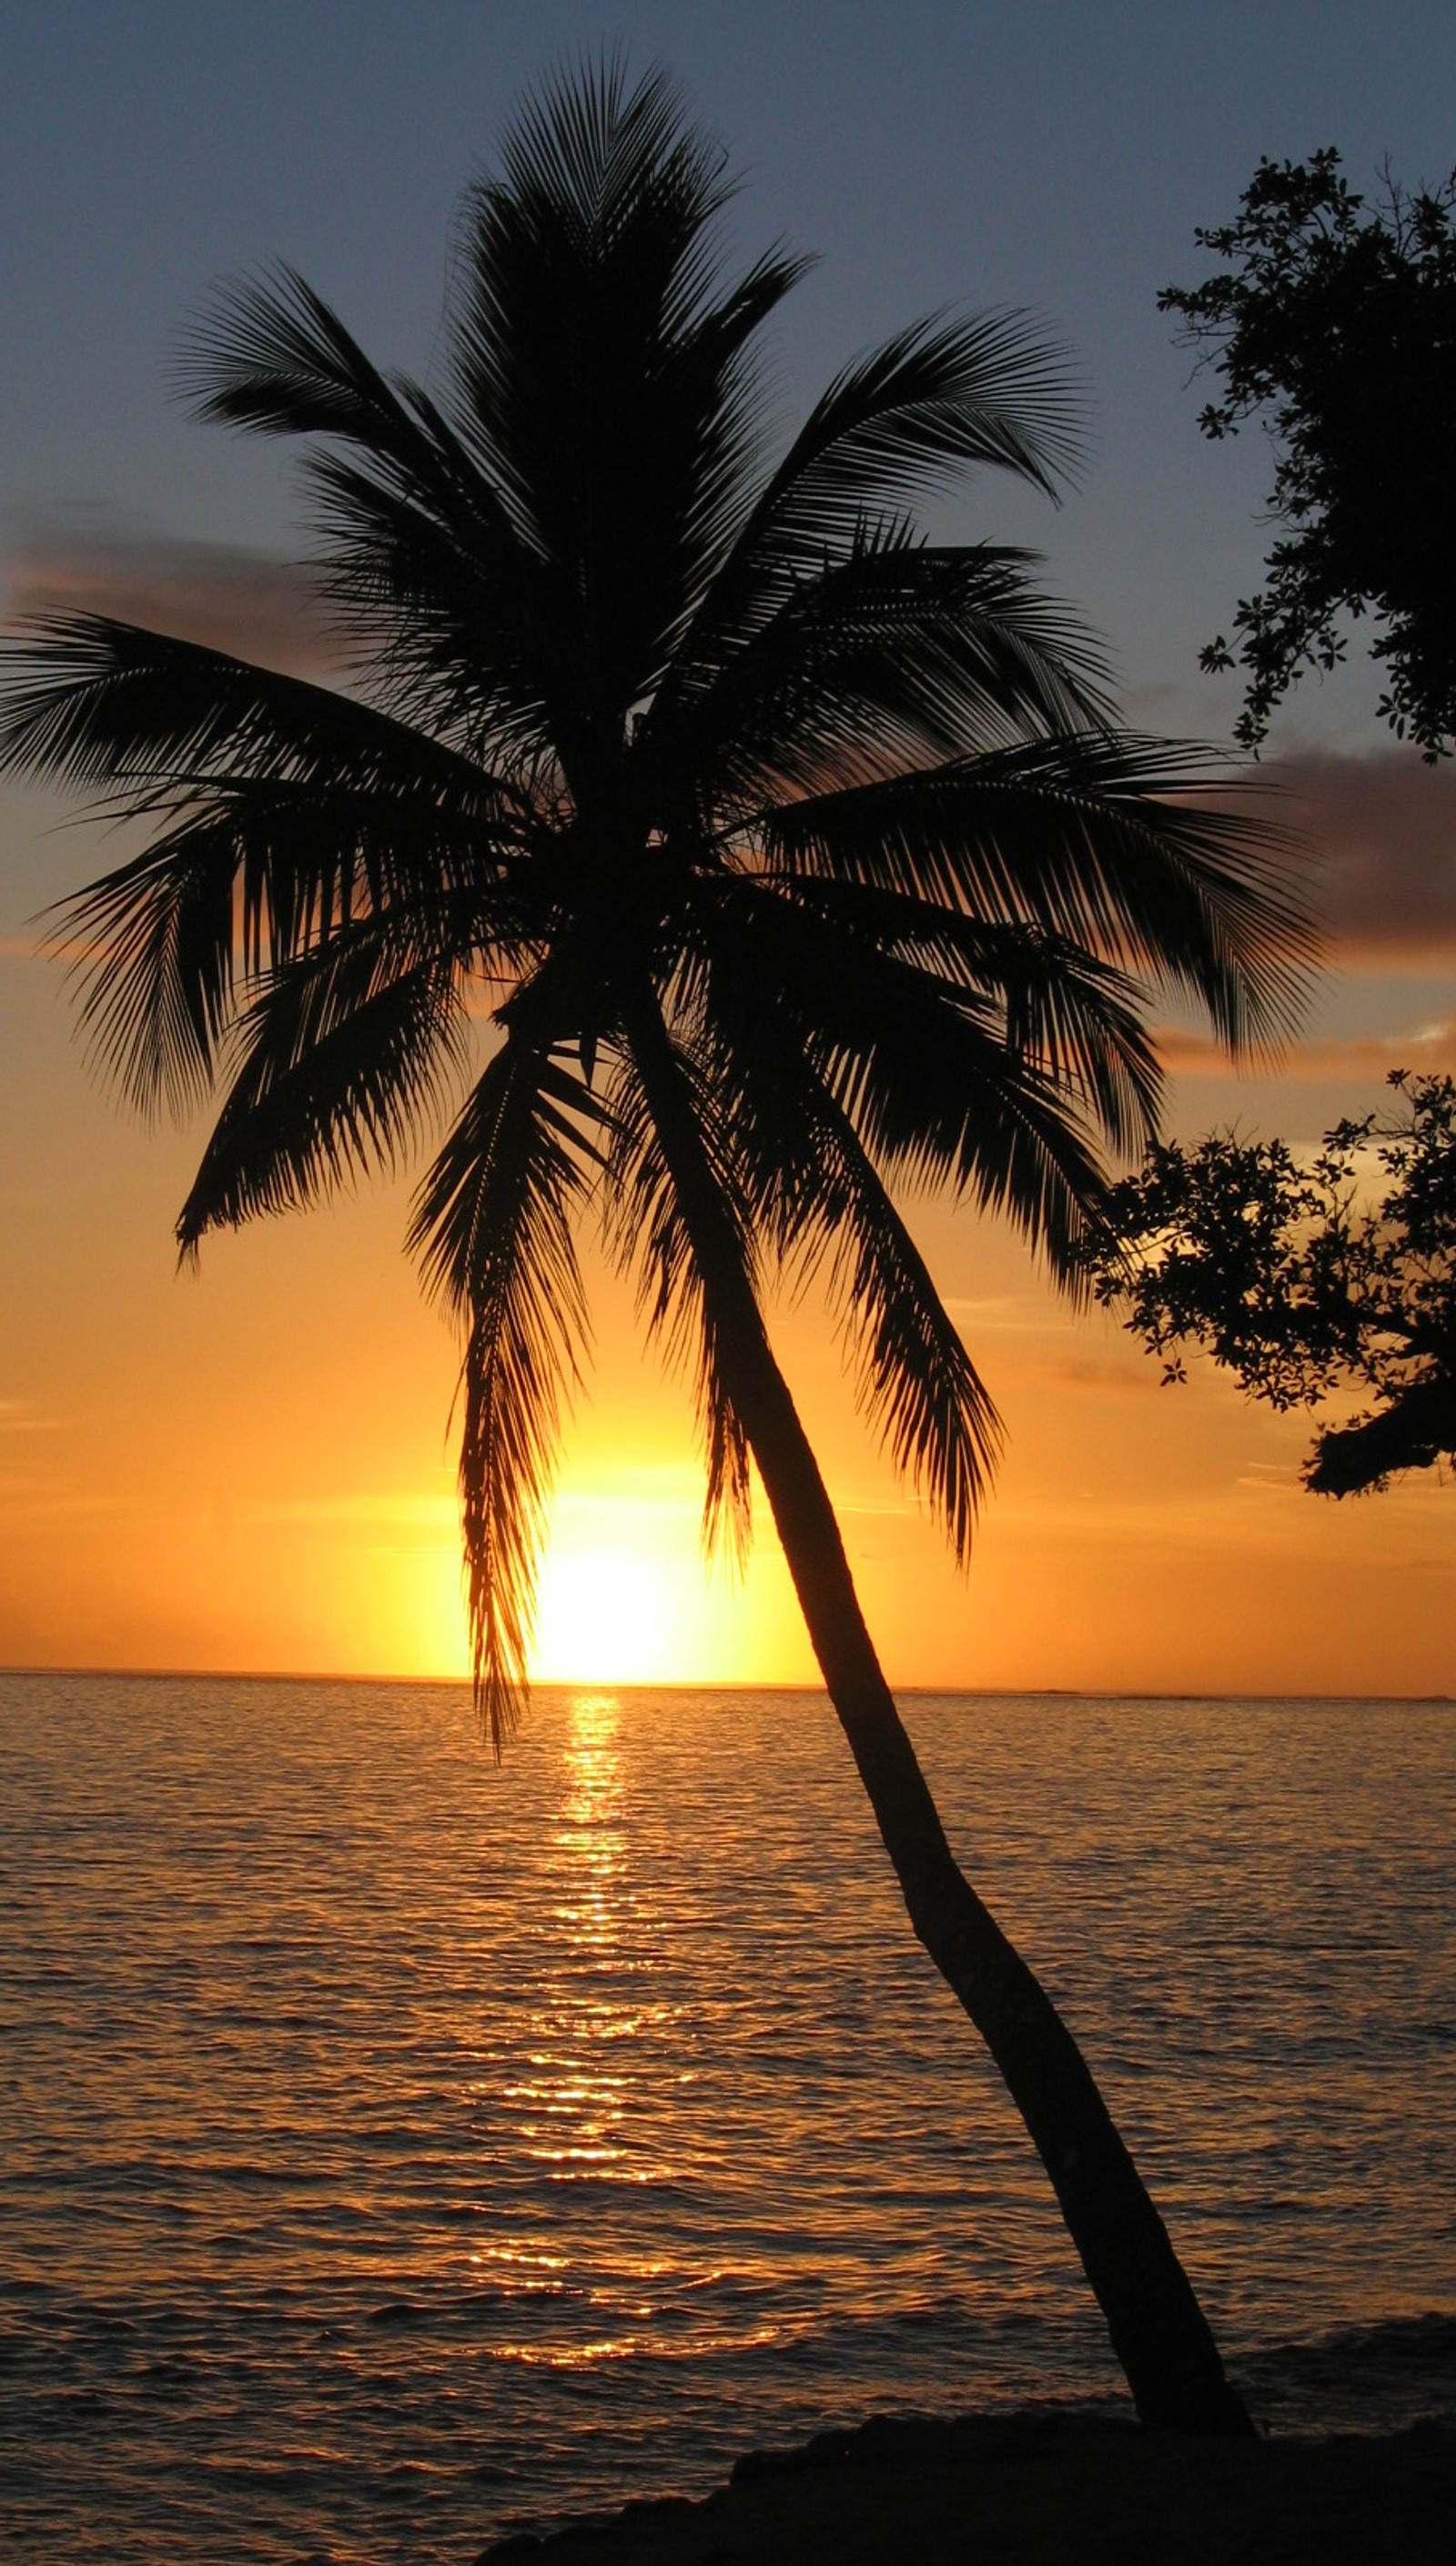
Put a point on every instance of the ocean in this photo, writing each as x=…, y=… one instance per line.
x=397, y=2149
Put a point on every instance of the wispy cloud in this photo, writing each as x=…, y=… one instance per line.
x=1100, y=1372
x=998, y=1314
x=20, y=1417
x=1429, y=1047
x=26, y=1499
x=224, y=595
x=401, y=1506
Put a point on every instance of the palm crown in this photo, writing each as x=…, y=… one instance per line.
x=797, y=859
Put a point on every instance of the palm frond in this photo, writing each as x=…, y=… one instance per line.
x=421, y=554
x=493, y=1231
x=899, y=653
x=603, y=375
x=279, y=811
x=1106, y=842
x=254, y=877
x=272, y=356
x=153, y=947
x=453, y=625
x=103, y=707
x=168, y=948
x=916, y=1379
x=935, y=400
x=343, y=1055
x=811, y=1184
x=1079, y=1021
x=924, y=1071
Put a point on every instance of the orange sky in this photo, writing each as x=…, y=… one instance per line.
x=249, y=1466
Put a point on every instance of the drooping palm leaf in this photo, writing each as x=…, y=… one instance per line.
x=916, y=1378
x=814, y=1190
x=924, y=1071
x=1076, y=1019
x=493, y=1230
x=344, y=1055
x=280, y=810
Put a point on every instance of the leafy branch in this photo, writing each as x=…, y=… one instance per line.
x=1334, y=324
x=1292, y=1278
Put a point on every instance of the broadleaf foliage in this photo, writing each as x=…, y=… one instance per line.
x=1334, y=324
x=1302, y=1281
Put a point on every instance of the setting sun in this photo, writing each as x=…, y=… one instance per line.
x=611, y=1616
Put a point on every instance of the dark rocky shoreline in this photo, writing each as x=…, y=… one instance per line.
x=1045, y=2487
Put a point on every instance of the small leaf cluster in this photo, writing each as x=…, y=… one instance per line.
x=1335, y=322
x=1294, y=1280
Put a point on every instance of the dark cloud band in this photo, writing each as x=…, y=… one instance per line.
x=224, y=595
x=1381, y=831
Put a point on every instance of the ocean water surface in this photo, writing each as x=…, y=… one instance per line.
x=396, y=2151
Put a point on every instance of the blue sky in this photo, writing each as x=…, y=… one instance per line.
x=1057, y=156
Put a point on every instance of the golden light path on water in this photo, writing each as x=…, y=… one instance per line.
x=571, y=2103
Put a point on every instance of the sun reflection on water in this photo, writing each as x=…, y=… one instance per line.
x=572, y=2102
x=585, y=2122
x=572, y=2111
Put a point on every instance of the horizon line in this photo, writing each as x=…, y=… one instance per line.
x=735, y=1684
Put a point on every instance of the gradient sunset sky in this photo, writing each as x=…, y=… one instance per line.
x=251, y=1466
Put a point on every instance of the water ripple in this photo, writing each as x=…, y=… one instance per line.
x=398, y=2151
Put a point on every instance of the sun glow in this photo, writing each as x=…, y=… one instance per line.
x=614, y=1616
x=627, y=1597
x=624, y=1594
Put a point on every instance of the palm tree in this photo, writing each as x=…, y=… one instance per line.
x=799, y=860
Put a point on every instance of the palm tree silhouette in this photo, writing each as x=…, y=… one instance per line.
x=801, y=861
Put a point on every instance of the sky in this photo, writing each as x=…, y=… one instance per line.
x=251, y=1466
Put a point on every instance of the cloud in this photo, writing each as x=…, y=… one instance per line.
x=1429, y=1051
x=1100, y=1372
x=999, y=1314
x=224, y=595
x=404, y=1506
x=1383, y=833
x=19, y=1417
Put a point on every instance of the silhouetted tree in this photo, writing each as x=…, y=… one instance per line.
x=797, y=861
x=1295, y=1281
x=1336, y=324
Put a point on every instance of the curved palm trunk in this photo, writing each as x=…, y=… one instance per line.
x=1158, y=2330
